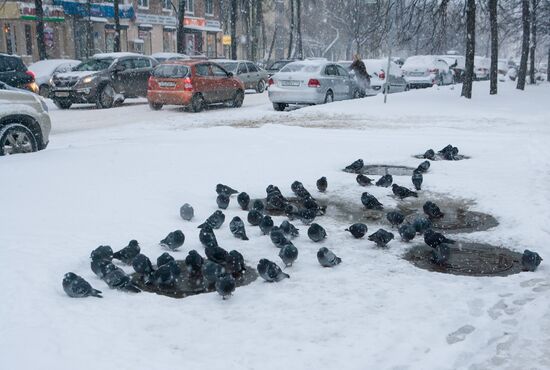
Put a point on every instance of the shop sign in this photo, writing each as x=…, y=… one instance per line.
x=103, y=10
x=226, y=40
x=212, y=23
x=52, y=13
x=192, y=21
x=156, y=19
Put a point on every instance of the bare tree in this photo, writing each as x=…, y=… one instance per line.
x=299, y=29
x=180, y=34
x=116, y=45
x=533, y=41
x=470, y=48
x=233, y=23
x=40, y=30
x=524, y=44
x=291, y=36
x=494, y=46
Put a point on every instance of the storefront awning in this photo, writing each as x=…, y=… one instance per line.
x=213, y=29
x=104, y=10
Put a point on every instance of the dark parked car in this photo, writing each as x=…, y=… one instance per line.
x=14, y=73
x=104, y=79
x=277, y=65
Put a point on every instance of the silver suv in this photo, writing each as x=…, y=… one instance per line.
x=24, y=121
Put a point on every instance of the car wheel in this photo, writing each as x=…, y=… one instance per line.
x=407, y=87
x=62, y=104
x=329, y=97
x=260, y=88
x=197, y=103
x=155, y=106
x=238, y=99
x=44, y=91
x=356, y=94
x=279, y=107
x=105, y=97
x=16, y=138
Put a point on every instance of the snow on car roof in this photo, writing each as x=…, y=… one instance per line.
x=46, y=67
x=116, y=55
x=169, y=55
x=421, y=61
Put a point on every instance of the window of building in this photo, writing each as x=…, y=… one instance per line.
x=209, y=7
x=28, y=39
x=167, y=5
x=143, y=4
x=190, y=6
x=11, y=43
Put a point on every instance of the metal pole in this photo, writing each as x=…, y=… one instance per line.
x=387, y=84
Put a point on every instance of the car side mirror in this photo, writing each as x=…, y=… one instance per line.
x=229, y=74
x=120, y=68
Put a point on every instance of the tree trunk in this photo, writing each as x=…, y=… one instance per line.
x=40, y=30
x=272, y=43
x=245, y=17
x=262, y=27
x=470, y=48
x=233, y=21
x=180, y=36
x=291, y=40
x=548, y=66
x=116, y=45
x=494, y=46
x=533, y=41
x=524, y=44
x=299, y=28
x=89, y=30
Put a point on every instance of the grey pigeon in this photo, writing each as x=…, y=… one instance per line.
x=381, y=237
x=207, y=237
x=142, y=265
x=421, y=224
x=358, y=230
x=225, y=285
x=322, y=184
x=327, y=258
x=244, y=200
x=270, y=272
x=215, y=220
x=235, y=262
x=236, y=226
x=429, y=154
x=423, y=167
x=441, y=254
x=164, y=258
x=288, y=254
x=222, y=200
x=433, y=239
x=167, y=275
x=216, y=254
x=316, y=232
x=193, y=263
x=76, y=287
x=432, y=210
x=101, y=267
x=277, y=236
x=211, y=271
x=370, y=202
x=417, y=179
x=258, y=205
x=128, y=253
x=173, y=240
x=407, y=232
x=402, y=192
x=187, y=212
x=385, y=181
x=355, y=167
x=117, y=279
x=254, y=217
x=266, y=224
x=224, y=189
x=103, y=252
x=291, y=211
x=289, y=229
x=395, y=218
x=310, y=203
x=363, y=180
x=530, y=260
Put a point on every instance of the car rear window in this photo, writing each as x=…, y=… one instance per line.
x=299, y=67
x=171, y=71
x=11, y=64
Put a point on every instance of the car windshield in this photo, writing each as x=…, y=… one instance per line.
x=299, y=67
x=229, y=66
x=278, y=65
x=171, y=71
x=94, y=64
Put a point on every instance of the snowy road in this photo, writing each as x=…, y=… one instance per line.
x=109, y=176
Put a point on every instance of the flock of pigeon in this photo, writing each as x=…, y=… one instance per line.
x=221, y=269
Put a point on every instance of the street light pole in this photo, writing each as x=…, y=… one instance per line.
x=388, y=22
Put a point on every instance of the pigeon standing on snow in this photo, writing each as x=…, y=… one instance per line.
x=142, y=265
x=441, y=254
x=224, y=189
x=289, y=229
x=266, y=224
x=327, y=258
x=385, y=181
x=216, y=254
x=187, y=212
x=116, y=278
x=358, y=230
x=288, y=254
x=236, y=262
x=236, y=226
x=215, y=220
x=307, y=216
x=222, y=200
x=355, y=167
x=207, y=237
x=164, y=258
x=421, y=224
x=402, y=192
x=193, y=263
x=244, y=200
x=225, y=285
x=101, y=267
x=429, y=154
x=254, y=217
x=417, y=179
x=277, y=236
x=433, y=239
x=381, y=237
x=363, y=180
x=316, y=232
x=407, y=232
x=103, y=252
x=167, y=275
x=432, y=210
x=173, y=240
x=76, y=287
x=370, y=202
x=258, y=205
x=322, y=184
x=128, y=253
x=395, y=218
x=423, y=167
x=270, y=272
x=530, y=260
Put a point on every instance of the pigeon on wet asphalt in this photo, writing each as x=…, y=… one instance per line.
x=173, y=240
x=254, y=217
x=381, y=237
x=211, y=271
x=433, y=239
x=164, y=258
x=277, y=236
x=76, y=287
x=441, y=254
x=244, y=200
x=327, y=258
x=316, y=232
x=225, y=285
x=236, y=226
x=429, y=154
x=395, y=218
x=407, y=232
x=167, y=275
x=402, y=192
x=207, y=237
x=237, y=262
x=385, y=181
x=215, y=220
x=216, y=254
x=103, y=252
x=370, y=202
x=222, y=200
x=187, y=212
x=358, y=230
x=421, y=224
x=530, y=260
x=363, y=180
x=310, y=203
x=194, y=262
x=355, y=167
x=289, y=229
x=291, y=211
x=258, y=205
x=142, y=265
x=288, y=254
x=266, y=224
x=101, y=267
x=322, y=184
x=423, y=167
x=417, y=179
x=432, y=210
x=128, y=253
x=224, y=189
x=117, y=279
x=270, y=272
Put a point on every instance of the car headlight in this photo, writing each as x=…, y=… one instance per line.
x=51, y=81
x=87, y=80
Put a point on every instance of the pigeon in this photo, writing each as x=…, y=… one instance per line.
x=270, y=272
x=288, y=254
x=307, y=216
x=215, y=220
x=277, y=236
x=310, y=203
x=211, y=271
x=432, y=210
x=244, y=200
x=402, y=192
x=296, y=186
x=128, y=253
x=258, y=205
x=370, y=202
x=421, y=224
x=167, y=274
x=225, y=285
x=216, y=254
x=142, y=265
x=254, y=217
x=316, y=232
x=291, y=211
x=363, y=180
x=164, y=258
x=530, y=260
x=322, y=184
x=194, y=262
x=103, y=252
x=441, y=254
x=358, y=230
x=447, y=149
x=327, y=258
x=276, y=202
x=236, y=262
x=173, y=240
x=355, y=167
x=395, y=218
x=423, y=167
x=407, y=232
x=289, y=229
x=266, y=224
x=433, y=239
x=429, y=154
x=381, y=237
x=237, y=228
x=117, y=279
x=207, y=237
x=302, y=193
x=385, y=181
x=224, y=189
x=222, y=200
x=187, y=212
x=101, y=267
x=417, y=179
x=76, y=287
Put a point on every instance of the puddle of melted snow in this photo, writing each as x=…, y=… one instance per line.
x=439, y=157
x=383, y=169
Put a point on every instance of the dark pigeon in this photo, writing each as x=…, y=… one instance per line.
x=215, y=220
x=270, y=272
x=224, y=189
x=358, y=230
x=164, y=258
x=441, y=254
x=288, y=254
x=402, y=192
x=117, y=279
x=417, y=179
x=142, y=265
x=173, y=240
x=128, y=253
x=530, y=260
x=193, y=263
x=211, y=271
x=322, y=184
x=395, y=218
x=167, y=275
x=363, y=180
x=276, y=202
x=216, y=254
x=244, y=200
x=101, y=267
x=316, y=232
x=207, y=237
x=296, y=186
x=370, y=202
x=429, y=154
x=225, y=285
x=327, y=258
x=310, y=203
x=407, y=232
x=433, y=239
x=236, y=226
x=432, y=210
x=385, y=181
x=277, y=236
x=355, y=167
x=187, y=212
x=266, y=224
x=381, y=237
x=307, y=215
x=222, y=200
x=291, y=211
x=289, y=229
x=103, y=252
x=421, y=224
x=254, y=217
x=447, y=149
x=235, y=262
x=423, y=167
x=258, y=205
x=76, y=287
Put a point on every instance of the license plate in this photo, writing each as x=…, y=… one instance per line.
x=417, y=73
x=167, y=84
x=62, y=94
x=290, y=83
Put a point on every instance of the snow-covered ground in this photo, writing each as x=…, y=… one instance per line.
x=109, y=176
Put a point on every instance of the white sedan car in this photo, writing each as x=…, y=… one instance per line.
x=44, y=70
x=426, y=71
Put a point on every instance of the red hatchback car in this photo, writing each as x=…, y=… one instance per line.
x=194, y=84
